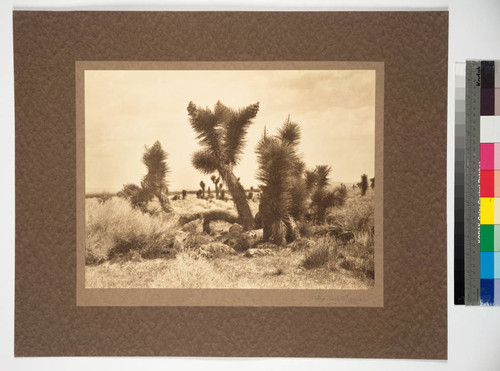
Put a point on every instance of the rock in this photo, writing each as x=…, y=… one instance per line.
x=234, y=243
x=215, y=249
x=235, y=230
x=245, y=240
x=252, y=253
x=266, y=245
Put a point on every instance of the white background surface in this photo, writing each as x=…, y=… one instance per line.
x=473, y=333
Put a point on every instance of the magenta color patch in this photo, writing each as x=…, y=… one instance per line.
x=487, y=156
x=497, y=156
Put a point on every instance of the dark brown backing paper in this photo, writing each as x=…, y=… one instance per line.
x=413, y=48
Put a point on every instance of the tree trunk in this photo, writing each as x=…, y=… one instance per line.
x=239, y=198
x=165, y=204
x=162, y=196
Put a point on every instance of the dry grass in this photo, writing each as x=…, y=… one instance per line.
x=187, y=270
x=114, y=228
x=126, y=248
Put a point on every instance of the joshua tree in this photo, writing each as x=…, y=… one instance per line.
x=202, y=185
x=209, y=192
x=221, y=186
x=136, y=195
x=154, y=182
x=250, y=194
x=279, y=167
x=321, y=198
x=216, y=180
x=221, y=135
x=184, y=194
x=372, y=182
x=363, y=185
x=198, y=193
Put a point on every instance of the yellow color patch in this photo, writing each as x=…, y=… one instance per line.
x=488, y=210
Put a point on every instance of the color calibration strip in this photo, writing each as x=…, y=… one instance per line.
x=471, y=183
x=477, y=183
x=490, y=184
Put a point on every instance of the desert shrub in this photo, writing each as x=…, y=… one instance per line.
x=105, y=196
x=324, y=253
x=305, y=228
x=113, y=228
x=357, y=215
x=317, y=257
x=147, y=246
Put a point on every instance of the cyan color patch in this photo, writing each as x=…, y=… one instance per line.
x=487, y=265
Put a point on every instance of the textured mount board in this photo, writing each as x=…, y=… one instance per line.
x=413, y=48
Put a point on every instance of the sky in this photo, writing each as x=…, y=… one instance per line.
x=126, y=110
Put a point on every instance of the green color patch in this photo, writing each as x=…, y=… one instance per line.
x=487, y=237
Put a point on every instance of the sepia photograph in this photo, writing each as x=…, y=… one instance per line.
x=230, y=179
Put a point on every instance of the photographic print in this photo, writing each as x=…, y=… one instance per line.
x=111, y=109
x=230, y=179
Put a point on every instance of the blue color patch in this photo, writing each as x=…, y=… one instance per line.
x=487, y=291
x=487, y=265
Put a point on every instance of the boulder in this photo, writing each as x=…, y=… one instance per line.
x=235, y=230
x=267, y=245
x=245, y=240
x=215, y=249
x=252, y=253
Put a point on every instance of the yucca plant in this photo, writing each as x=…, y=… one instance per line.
x=221, y=133
x=279, y=168
x=363, y=185
x=216, y=181
x=321, y=198
x=136, y=195
x=155, y=182
x=202, y=185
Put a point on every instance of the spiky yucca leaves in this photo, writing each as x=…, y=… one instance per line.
x=221, y=133
x=340, y=195
x=216, y=181
x=363, y=185
x=321, y=199
x=299, y=198
x=202, y=185
x=154, y=182
x=137, y=196
x=279, y=171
